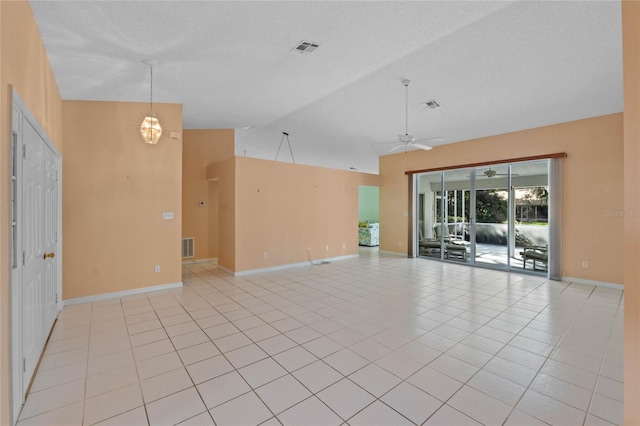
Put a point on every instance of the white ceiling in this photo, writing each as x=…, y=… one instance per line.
x=495, y=67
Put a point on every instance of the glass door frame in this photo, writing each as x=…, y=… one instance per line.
x=473, y=183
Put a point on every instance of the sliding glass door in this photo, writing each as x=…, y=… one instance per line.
x=530, y=188
x=494, y=216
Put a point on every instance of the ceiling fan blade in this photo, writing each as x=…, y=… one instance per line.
x=431, y=140
x=396, y=147
x=419, y=145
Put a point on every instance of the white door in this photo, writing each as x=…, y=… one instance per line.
x=34, y=243
x=35, y=279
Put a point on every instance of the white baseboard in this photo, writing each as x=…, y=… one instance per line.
x=591, y=282
x=191, y=262
x=105, y=296
x=290, y=265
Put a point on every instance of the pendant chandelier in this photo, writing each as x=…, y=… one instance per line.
x=150, y=128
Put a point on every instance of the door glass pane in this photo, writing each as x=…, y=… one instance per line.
x=429, y=213
x=530, y=184
x=455, y=220
x=492, y=216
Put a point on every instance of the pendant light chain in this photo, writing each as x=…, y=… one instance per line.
x=406, y=109
x=151, y=94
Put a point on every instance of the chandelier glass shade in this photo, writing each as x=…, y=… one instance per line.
x=151, y=130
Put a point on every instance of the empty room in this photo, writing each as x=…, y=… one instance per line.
x=320, y=213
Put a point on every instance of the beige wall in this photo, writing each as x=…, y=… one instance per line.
x=213, y=233
x=23, y=65
x=115, y=189
x=282, y=209
x=200, y=149
x=631, y=52
x=593, y=182
x=223, y=175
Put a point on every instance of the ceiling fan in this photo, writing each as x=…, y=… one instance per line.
x=491, y=173
x=407, y=140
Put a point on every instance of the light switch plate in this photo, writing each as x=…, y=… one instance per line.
x=167, y=215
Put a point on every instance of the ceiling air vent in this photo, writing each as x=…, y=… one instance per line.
x=432, y=104
x=305, y=47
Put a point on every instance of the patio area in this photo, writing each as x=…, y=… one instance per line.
x=492, y=255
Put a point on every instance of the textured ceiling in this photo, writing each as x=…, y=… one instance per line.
x=495, y=67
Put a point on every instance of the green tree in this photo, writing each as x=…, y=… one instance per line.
x=491, y=206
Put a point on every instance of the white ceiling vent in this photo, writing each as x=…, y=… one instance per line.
x=432, y=104
x=305, y=47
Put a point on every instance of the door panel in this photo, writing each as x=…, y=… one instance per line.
x=33, y=247
x=50, y=238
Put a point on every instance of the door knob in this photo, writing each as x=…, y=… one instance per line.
x=49, y=255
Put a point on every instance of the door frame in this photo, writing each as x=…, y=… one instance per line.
x=19, y=113
x=554, y=183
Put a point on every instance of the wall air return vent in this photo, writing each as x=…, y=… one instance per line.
x=305, y=47
x=187, y=247
x=432, y=104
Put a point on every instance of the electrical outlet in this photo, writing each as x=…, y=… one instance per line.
x=344, y=245
x=399, y=243
x=264, y=255
x=585, y=264
x=157, y=268
x=326, y=248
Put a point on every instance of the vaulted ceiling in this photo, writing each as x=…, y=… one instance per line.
x=494, y=67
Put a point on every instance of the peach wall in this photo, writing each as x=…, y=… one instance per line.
x=213, y=230
x=282, y=209
x=115, y=189
x=24, y=66
x=631, y=58
x=593, y=182
x=200, y=149
x=223, y=174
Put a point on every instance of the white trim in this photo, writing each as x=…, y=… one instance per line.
x=287, y=266
x=591, y=282
x=105, y=296
x=191, y=262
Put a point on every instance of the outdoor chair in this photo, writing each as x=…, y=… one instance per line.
x=535, y=254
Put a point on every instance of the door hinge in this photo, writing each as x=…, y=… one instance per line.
x=24, y=365
x=23, y=258
x=24, y=151
x=56, y=297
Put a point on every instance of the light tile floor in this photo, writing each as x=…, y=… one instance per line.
x=375, y=340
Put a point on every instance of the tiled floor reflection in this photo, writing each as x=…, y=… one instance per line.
x=374, y=340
